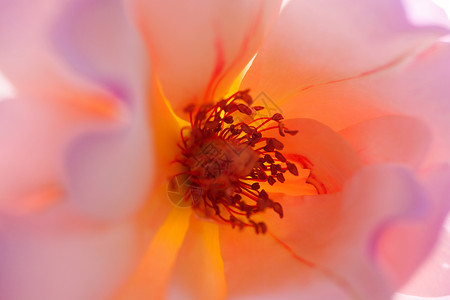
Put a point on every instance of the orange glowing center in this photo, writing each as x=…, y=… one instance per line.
x=226, y=157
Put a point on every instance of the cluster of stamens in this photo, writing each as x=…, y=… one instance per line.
x=226, y=157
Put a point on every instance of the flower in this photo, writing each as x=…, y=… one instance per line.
x=91, y=125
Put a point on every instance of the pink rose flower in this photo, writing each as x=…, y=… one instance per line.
x=90, y=120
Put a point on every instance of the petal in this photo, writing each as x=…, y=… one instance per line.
x=92, y=152
x=28, y=174
x=35, y=131
x=151, y=276
x=419, y=89
x=258, y=267
x=97, y=148
x=23, y=34
x=390, y=139
x=432, y=277
x=98, y=41
x=58, y=255
x=327, y=240
x=108, y=171
x=198, y=59
x=329, y=157
x=198, y=272
x=319, y=42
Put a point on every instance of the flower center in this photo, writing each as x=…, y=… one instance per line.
x=226, y=159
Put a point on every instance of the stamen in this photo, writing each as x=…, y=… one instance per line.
x=224, y=155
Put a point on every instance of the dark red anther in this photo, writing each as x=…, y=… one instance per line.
x=291, y=132
x=281, y=128
x=235, y=130
x=276, y=144
x=255, y=226
x=269, y=148
x=236, y=222
x=271, y=180
x=248, y=211
x=247, y=129
x=201, y=115
x=228, y=119
x=280, y=156
x=236, y=198
x=277, y=117
x=269, y=159
x=292, y=168
x=190, y=108
x=273, y=169
x=216, y=208
x=244, y=96
x=222, y=104
x=261, y=174
x=257, y=108
x=280, y=177
x=231, y=108
x=255, y=137
x=243, y=205
x=263, y=195
x=263, y=167
x=244, y=109
x=278, y=209
x=233, y=220
x=262, y=227
x=262, y=204
x=255, y=186
x=212, y=124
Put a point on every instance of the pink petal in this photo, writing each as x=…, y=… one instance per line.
x=91, y=146
x=390, y=139
x=35, y=132
x=48, y=142
x=420, y=89
x=335, y=232
x=24, y=32
x=199, y=47
x=417, y=87
x=99, y=42
x=30, y=165
x=109, y=171
x=433, y=275
x=330, y=158
x=257, y=267
x=316, y=42
x=57, y=255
